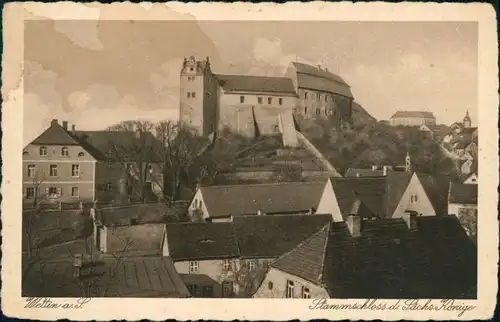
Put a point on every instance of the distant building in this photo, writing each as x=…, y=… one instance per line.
x=68, y=165
x=471, y=179
x=222, y=203
x=228, y=259
x=462, y=197
x=408, y=257
x=363, y=173
x=321, y=93
x=413, y=118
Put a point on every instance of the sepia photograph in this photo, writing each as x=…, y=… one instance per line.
x=274, y=159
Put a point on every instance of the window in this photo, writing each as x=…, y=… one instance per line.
x=305, y=293
x=31, y=170
x=227, y=265
x=242, y=99
x=305, y=110
x=30, y=192
x=81, y=154
x=25, y=152
x=109, y=187
x=53, y=170
x=318, y=111
x=52, y=192
x=64, y=151
x=208, y=291
x=75, y=192
x=191, y=69
x=269, y=100
x=188, y=94
x=270, y=285
x=150, y=168
x=193, y=267
x=43, y=151
x=289, y=289
x=75, y=170
x=414, y=198
x=326, y=98
x=227, y=289
x=280, y=101
x=193, y=94
x=276, y=129
x=251, y=265
x=194, y=289
x=318, y=96
x=259, y=100
x=305, y=95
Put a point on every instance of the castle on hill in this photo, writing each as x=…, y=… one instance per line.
x=260, y=105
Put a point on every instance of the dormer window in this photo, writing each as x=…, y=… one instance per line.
x=81, y=154
x=64, y=151
x=43, y=151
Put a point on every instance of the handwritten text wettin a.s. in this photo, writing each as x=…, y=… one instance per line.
x=45, y=303
x=452, y=306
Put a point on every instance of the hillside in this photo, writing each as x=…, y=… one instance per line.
x=360, y=115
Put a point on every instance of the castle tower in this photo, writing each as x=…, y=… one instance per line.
x=407, y=162
x=467, y=120
x=198, y=96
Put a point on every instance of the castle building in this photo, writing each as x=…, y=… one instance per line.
x=413, y=118
x=258, y=105
x=321, y=93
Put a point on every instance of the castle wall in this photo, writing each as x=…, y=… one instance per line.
x=210, y=100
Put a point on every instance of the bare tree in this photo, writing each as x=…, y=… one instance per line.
x=32, y=215
x=247, y=274
x=135, y=152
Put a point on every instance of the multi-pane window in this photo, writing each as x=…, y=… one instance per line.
x=64, y=151
x=242, y=99
x=280, y=101
x=289, y=289
x=75, y=192
x=193, y=267
x=75, y=170
x=193, y=94
x=305, y=293
x=43, y=151
x=251, y=265
x=227, y=265
x=31, y=170
x=52, y=192
x=30, y=192
x=53, y=170
x=109, y=187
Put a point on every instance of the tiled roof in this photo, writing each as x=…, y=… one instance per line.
x=285, y=197
x=419, y=114
x=311, y=77
x=260, y=84
x=437, y=260
x=462, y=144
x=264, y=236
x=273, y=235
x=135, y=277
x=196, y=241
x=436, y=188
x=55, y=134
x=379, y=195
x=463, y=193
x=468, y=130
x=356, y=173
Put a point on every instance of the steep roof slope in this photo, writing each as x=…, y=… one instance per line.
x=55, y=134
x=422, y=114
x=260, y=84
x=463, y=193
x=318, y=79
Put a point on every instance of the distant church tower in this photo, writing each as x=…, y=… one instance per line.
x=467, y=120
x=407, y=162
x=198, y=96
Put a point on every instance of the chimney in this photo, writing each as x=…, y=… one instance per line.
x=319, y=67
x=326, y=69
x=73, y=127
x=410, y=218
x=54, y=121
x=354, y=222
x=65, y=125
x=77, y=265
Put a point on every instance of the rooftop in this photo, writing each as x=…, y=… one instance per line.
x=315, y=78
x=418, y=114
x=133, y=277
x=140, y=214
x=247, y=236
x=388, y=260
x=270, y=198
x=260, y=84
x=463, y=193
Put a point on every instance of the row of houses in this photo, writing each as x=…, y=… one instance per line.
x=339, y=238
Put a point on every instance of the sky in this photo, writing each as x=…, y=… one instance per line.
x=98, y=73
